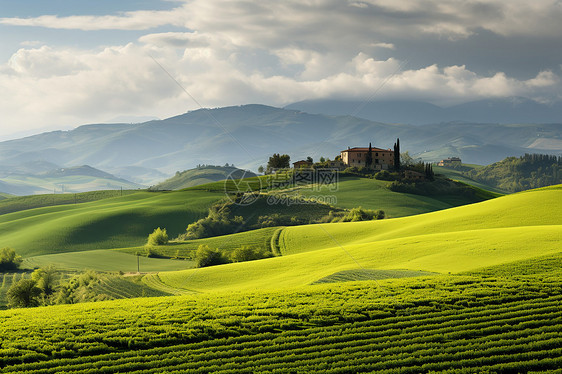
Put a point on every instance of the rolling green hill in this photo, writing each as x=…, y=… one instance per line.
x=202, y=175
x=109, y=223
x=48, y=224
x=507, y=229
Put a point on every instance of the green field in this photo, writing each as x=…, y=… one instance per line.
x=105, y=260
x=442, y=324
x=471, y=289
x=459, y=176
x=48, y=224
x=104, y=224
x=258, y=239
x=511, y=228
x=17, y=203
x=374, y=194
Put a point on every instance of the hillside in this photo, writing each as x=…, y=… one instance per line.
x=515, y=174
x=506, y=229
x=249, y=134
x=443, y=324
x=47, y=224
x=114, y=222
x=202, y=175
x=63, y=180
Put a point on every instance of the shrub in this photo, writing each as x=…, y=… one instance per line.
x=206, y=256
x=384, y=175
x=45, y=279
x=360, y=214
x=247, y=253
x=219, y=221
x=24, y=294
x=9, y=260
x=158, y=237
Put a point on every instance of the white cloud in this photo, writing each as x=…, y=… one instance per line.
x=235, y=52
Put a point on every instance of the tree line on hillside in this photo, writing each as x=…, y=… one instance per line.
x=515, y=174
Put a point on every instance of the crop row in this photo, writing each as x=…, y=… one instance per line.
x=286, y=333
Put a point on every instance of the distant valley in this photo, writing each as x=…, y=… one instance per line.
x=29, y=180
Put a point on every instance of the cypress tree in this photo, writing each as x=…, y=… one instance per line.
x=397, y=155
x=369, y=158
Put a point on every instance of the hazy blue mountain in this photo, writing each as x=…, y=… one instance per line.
x=504, y=111
x=247, y=135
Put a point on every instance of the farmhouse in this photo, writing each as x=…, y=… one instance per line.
x=383, y=159
x=302, y=164
x=451, y=161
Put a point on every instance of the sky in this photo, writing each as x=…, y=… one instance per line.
x=64, y=63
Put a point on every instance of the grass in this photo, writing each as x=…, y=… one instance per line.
x=369, y=274
x=459, y=176
x=69, y=183
x=48, y=224
x=374, y=194
x=260, y=238
x=508, y=229
x=105, y=260
x=416, y=325
x=109, y=223
x=18, y=203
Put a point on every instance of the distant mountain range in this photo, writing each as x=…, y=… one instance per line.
x=247, y=135
x=505, y=111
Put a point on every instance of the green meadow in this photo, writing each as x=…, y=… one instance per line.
x=507, y=229
x=104, y=224
x=468, y=289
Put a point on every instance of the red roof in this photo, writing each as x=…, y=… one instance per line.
x=359, y=149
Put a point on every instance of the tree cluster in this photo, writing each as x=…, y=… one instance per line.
x=515, y=174
x=206, y=256
x=219, y=221
x=278, y=161
x=9, y=259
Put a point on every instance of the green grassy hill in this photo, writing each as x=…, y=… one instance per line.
x=202, y=175
x=109, y=223
x=47, y=224
x=507, y=229
x=459, y=175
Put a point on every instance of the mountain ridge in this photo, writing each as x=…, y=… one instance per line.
x=247, y=135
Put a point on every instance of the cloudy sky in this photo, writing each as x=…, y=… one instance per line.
x=68, y=62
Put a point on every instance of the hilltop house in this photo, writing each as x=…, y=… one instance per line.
x=302, y=164
x=383, y=159
x=451, y=161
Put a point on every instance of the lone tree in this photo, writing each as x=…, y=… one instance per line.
x=158, y=237
x=278, y=161
x=309, y=159
x=9, y=260
x=369, y=157
x=397, y=165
